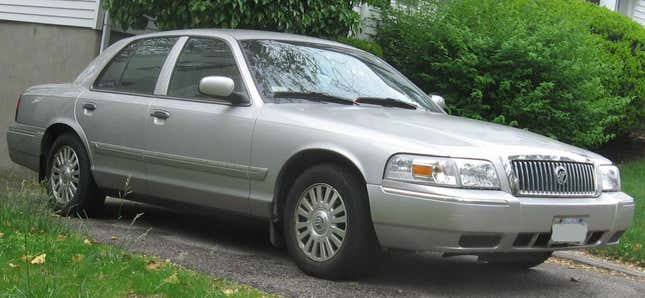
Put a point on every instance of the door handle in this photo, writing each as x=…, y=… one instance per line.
x=160, y=114
x=89, y=106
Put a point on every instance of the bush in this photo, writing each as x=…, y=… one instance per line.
x=365, y=45
x=566, y=69
x=328, y=18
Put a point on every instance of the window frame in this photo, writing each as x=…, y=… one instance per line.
x=213, y=100
x=109, y=63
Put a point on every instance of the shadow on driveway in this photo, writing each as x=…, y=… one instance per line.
x=239, y=250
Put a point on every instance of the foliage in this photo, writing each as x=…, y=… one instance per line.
x=326, y=18
x=567, y=69
x=632, y=245
x=41, y=256
x=365, y=45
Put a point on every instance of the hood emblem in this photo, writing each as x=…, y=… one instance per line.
x=561, y=175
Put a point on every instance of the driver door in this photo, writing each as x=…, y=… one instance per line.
x=200, y=146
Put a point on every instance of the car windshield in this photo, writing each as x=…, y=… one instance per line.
x=281, y=67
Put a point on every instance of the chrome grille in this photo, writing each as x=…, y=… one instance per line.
x=539, y=178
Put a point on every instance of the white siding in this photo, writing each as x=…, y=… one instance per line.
x=77, y=13
x=638, y=14
x=370, y=16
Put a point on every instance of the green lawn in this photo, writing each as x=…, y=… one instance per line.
x=631, y=247
x=40, y=256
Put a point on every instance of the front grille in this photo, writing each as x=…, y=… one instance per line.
x=539, y=178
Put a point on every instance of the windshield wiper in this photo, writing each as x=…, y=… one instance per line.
x=314, y=96
x=386, y=102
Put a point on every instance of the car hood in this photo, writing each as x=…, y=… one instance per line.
x=430, y=133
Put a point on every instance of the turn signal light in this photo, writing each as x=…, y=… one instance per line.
x=17, y=108
x=422, y=170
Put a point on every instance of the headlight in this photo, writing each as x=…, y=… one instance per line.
x=609, y=178
x=452, y=172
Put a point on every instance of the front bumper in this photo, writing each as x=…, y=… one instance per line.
x=471, y=221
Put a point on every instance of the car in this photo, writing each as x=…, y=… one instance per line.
x=340, y=154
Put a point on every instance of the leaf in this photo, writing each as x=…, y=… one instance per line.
x=12, y=265
x=114, y=238
x=77, y=258
x=87, y=242
x=229, y=292
x=1, y=235
x=153, y=265
x=173, y=279
x=61, y=237
x=40, y=259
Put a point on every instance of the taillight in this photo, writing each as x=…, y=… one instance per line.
x=17, y=108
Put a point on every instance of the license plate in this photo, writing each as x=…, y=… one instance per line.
x=569, y=230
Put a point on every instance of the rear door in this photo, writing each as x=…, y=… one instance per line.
x=114, y=111
x=200, y=146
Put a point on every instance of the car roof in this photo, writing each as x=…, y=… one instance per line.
x=243, y=34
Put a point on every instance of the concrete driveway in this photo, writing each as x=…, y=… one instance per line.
x=241, y=252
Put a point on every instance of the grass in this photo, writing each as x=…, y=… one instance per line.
x=630, y=248
x=42, y=256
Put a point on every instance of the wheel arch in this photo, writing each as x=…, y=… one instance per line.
x=53, y=131
x=301, y=161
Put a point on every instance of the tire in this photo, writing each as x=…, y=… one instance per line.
x=69, y=182
x=358, y=250
x=515, y=261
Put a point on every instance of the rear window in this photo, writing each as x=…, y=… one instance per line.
x=136, y=68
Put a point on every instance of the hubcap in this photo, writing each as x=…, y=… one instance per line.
x=320, y=222
x=65, y=175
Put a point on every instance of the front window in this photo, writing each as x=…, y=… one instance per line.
x=202, y=57
x=281, y=67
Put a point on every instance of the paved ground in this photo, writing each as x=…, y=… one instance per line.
x=241, y=252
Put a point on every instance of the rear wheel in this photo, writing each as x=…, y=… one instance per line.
x=69, y=181
x=517, y=261
x=327, y=224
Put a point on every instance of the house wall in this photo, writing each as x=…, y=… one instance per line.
x=77, y=13
x=634, y=9
x=32, y=54
x=638, y=11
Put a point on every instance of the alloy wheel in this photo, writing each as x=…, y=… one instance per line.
x=65, y=174
x=320, y=222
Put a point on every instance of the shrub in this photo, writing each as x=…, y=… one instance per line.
x=328, y=18
x=365, y=45
x=566, y=69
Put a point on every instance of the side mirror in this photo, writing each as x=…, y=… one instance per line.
x=438, y=100
x=216, y=86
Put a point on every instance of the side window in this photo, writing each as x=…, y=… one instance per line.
x=202, y=57
x=135, y=69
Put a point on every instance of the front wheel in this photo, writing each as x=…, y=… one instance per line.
x=69, y=181
x=327, y=224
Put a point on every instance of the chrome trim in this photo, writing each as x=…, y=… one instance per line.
x=26, y=130
x=194, y=164
x=440, y=197
x=539, y=181
x=119, y=151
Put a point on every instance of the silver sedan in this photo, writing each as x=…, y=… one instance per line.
x=339, y=153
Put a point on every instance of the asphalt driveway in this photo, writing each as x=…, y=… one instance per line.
x=241, y=252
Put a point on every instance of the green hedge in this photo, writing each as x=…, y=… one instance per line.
x=566, y=69
x=327, y=18
x=365, y=45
